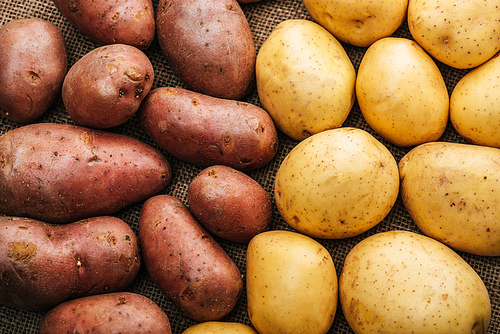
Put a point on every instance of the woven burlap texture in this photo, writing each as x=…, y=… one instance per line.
x=262, y=16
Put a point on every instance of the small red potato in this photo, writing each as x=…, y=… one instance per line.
x=33, y=64
x=186, y=263
x=60, y=173
x=130, y=22
x=205, y=130
x=229, y=203
x=118, y=312
x=209, y=45
x=43, y=265
x=105, y=87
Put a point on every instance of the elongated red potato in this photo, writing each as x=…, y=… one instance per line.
x=106, y=22
x=205, y=130
x=60, y=173
x=118, y=312
x=43, y=265
x=186, y=263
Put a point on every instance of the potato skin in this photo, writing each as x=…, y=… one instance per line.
x=106, y=22
x=118, y=312
x=33, y=64
x=205, y=130
x=106, y=86
x=209, y=45
x=229, y=203
x=42, y=265
x=60, y=173
x=186, y=263
x=219, y=327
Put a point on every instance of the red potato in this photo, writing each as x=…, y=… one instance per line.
x=205, y=130
x=33, y=64
x=60, y=173
x=229, y=203
x=186, y=263
x=209, y=45
x=118, y=312
x=43, y=265
x=106, y=86
x=106, y=22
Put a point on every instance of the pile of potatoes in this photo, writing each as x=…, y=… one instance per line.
x=66, y=255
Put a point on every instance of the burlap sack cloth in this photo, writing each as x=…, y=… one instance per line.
x=262, y=16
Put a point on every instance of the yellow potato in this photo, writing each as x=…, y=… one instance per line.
x=402, y=93
x=305, y=80
x=218, y=327
x=292, y=284
x=461, y=34
x=336, y=184
x=451, y=191
x=361, y=22
x=401, y=282
x=475, y=105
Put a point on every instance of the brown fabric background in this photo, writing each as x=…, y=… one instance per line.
x=263, y=17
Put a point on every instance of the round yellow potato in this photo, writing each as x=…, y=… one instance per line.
x=461, y=34
x=336, y=184
x=451, y=191
x=305, y=80
x=361, y=22
x=292, y=285
x=475, y=105
x=401, y=282
x=401, y=92
x=218, y=327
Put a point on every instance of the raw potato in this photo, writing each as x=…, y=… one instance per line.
x=305, y=80
x=209, y=45
x=185, y=262
x=402, y=93
x=475, y=105
x=106, y=86
x=402, y=282
x=60, y=173
x=337, y=184
x=229, y=203
x=461, y=34
x=359, y=23
x=217, y=327
x=130, y=22
x=205, y=130
x=33, y=64
x=119, y=312
x=43, y=265
x=291, y=284
x=451, y=191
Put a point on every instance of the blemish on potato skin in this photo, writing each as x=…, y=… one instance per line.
x=19, y=251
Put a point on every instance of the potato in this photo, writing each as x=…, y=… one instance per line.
x=130, y=22
x=402, y=93
x=217, y=327
x=305, y=80
x=205, y=130
x=451, y=192
x=336, y=184
x=403, y=282
x=185, y=262
x=33, y=64
x=229, y=203
x=60, y=173
x=105, y=87
x=460, y=34
x=291, y=284
x=43, y=265
x=359, y=23
x=209, y=45
x=118, y=312
x=475, y=105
